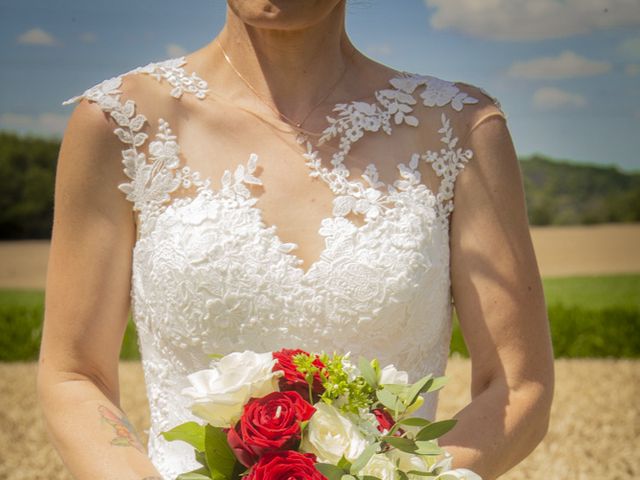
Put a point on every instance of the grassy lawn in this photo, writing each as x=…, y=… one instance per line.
x=596, y=316
x=594, y=292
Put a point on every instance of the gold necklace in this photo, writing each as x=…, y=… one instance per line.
x=275, y=110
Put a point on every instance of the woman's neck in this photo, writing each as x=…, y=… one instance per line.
x=291, y=69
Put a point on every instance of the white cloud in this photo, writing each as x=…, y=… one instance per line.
x=532, y=20
x=551, y=98
x=565, y=65
x=88, y=37
x=175, y=50
x=42, y=124
x=630, y=48
x=633, y=69
x=37, y=36
x=382, y=49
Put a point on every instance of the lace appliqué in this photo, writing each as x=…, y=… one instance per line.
x=170, y=70
x=357, y=117
x=151, y=182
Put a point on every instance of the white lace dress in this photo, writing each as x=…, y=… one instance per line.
x=210, y=277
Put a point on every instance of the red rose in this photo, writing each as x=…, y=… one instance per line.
x=267, y=424
x=293, y=379
x=286, y=465
x=385, y=420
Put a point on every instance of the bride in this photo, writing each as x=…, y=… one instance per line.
x=277, y=188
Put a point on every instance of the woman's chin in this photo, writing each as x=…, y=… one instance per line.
x=282, y=14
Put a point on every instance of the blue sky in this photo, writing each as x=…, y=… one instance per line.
x=567, y=72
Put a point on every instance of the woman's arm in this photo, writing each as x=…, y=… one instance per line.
x=87, y=305
x=500, y=303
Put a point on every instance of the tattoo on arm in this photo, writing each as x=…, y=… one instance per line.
x=126, y=434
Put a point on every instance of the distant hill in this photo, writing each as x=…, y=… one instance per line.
x=557, y=192
x=568, y=193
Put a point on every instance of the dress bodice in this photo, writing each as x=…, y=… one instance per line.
x=209, y=276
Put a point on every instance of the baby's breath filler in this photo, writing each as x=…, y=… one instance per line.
x=354, y=392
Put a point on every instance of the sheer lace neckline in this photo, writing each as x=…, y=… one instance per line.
x=393, y=105
x=152, y=184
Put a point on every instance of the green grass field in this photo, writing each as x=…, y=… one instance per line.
x=596, y=316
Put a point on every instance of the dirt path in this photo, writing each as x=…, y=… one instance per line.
x=560, y=251
x=594, y=427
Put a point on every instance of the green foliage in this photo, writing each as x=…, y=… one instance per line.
x=27, y=180
x=608, y=332
x=336, y=381
x=567, y=193
x=190, y=432
x=221, y=460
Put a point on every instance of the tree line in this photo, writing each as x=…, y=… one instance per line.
x=557, y=192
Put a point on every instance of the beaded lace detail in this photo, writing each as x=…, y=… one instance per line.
x=210, y=277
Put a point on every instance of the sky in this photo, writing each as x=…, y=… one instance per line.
x=567, y=72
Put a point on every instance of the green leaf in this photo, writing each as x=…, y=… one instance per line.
x=409, y=421
x=359, y=463
x=220, y=458
x=199, y=474
x=330, y=471
x=346, y=476
x=427, y=448
x=438, y=383
x=344, y=464
x=215, y=355
x=417, y=388
x=401, y=443
x=435, y=429
x=389, y=400
x=421, y=473
x=414, y=421
x=396, y=388
x=402, y=475
x=368, y=372
x=189, y=432
x=201, y=458
x=376, y=368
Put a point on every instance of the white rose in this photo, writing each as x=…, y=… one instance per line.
x=329, y=434
x=390, y=374
x=379, y=465
x=220, y=393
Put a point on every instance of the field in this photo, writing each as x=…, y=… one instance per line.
x=596, y=414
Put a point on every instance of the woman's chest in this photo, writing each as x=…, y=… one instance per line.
x=210, y=264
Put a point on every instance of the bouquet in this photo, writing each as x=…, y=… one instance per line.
x=296, y=415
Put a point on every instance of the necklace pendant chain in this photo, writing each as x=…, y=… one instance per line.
x=280, y=115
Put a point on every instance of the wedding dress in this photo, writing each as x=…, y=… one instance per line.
x=209, y=275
